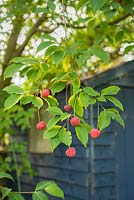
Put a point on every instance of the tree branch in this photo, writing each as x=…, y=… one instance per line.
x=116, y=21
x=11, y=48
x=12, y=42
x=68, y=25
x=46, y=30
x=32, y=31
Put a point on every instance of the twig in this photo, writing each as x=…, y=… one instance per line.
x=16, y=167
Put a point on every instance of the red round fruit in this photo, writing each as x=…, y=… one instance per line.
x=95, y=133
x=45, y=93
x=41, y=125
x=75, y=121
x=71, y=152
x=67, y=108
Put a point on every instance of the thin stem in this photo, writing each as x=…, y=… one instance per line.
x=74, y=105
x=68, y=124
x=98, y=111
x=102, y=106
x=24, y=192
x=16, y=167
x=38, y=115
x=66, y=94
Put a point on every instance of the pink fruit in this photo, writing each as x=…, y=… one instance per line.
x=75, y=121
x=45, y=93
x=95, y=133
x=41, y=125
x=71, y=152
x=67, y=108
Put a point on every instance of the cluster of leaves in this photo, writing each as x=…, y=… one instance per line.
x=19, y=116
x=49, y=187
x=80, y=98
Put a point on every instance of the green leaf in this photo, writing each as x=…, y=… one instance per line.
x=71, y=100
x=58, y=86
x=49, y=37
x=54, y=110
x=24, y=71
x=52, y=101
x=5, y=191
x=73, y=76
x=119, y=119
x=11, y=101
x=51, y=5
x=97, y=4
x=26, y=99
x=92, y=100
x=65, y=116
x=83, y=58
x=76, y=86
x=55, y=142
x=54, y=190
x=115, y=101
x=128, y=49
x=104, y=120
x=100, y=53
x=78, y=107
x=44, y=67
x=84, y=99
x=90, y=91
x=25, y=60
x=61, y=76
x=12, y=69
x=50, y=50
x=65, y=137
x=52, y=132
x=14, y=89
x=34, y=74
x=111, y=113
x=53, y=121
x=119, y=36
x=39, y=196
x=44, y=45
x=111, y=90
x=6, y=175
x=37, y=102
x=110, y=13
x=82, y=133
x=42, y=185
x=71, y=50
x=15, y=196
x=58, y=56
x=101, y=98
